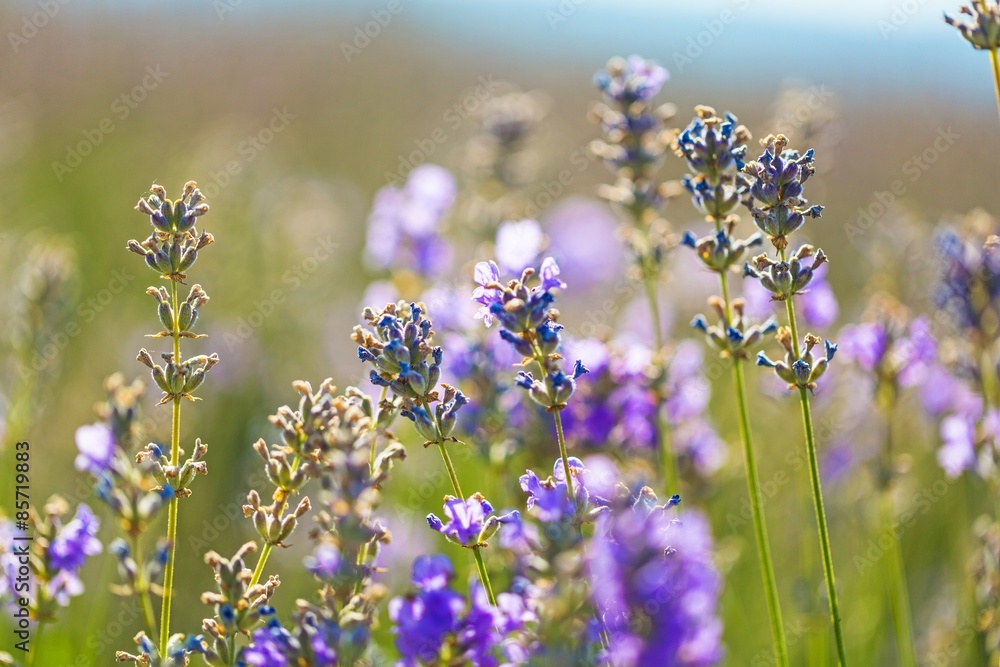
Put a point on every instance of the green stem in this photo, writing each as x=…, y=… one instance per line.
x=759, y=522
x=452, y=475
x=258, y=571
x=484, y=576
x=142, y=590
x=668, y=459
x=33, y=651
x=899, y=600
x=753, y=486
x=824, y=534
x=817, y=494
x=175, y=444
x=561, y=438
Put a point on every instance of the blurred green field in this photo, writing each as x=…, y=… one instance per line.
x=290, y=141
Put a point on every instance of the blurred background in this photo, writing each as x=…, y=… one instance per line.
x=292, y=115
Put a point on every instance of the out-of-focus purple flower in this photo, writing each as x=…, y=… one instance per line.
x=486, y=273
x=958, y=449
x=549, y=273
x=403, y=227
x=820, y=308
x=96, y=446
x=584, y=242
x=548, y=499
x=645, y=565
x=916, y=353
x=696, y=441
x=63, y=586
x=423, y=620
x=866, y=344
x=518, y=244
x=324, y=561
x=75, y=541
x=268, y=646
x=942, y=393
x=631, y=79
x=470, y=522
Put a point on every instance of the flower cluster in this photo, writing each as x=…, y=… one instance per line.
x=341, y=441
x=773, y=194
x=528, y=321
x=982, y=29
x=799, y=369
x=735, y=335
x=404, y=225
x=618, y=403
x=471, y=521
x=173, y=246
x=654, y=584
x=398, y=343
x=714, y=149
x=889, y=346
x=45, y=571
x=436, y=625
x=633, y=147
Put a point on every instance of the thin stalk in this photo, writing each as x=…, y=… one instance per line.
x=560, y=434
x=457, y=488
x=561, y=438
x=668, y=459
x=899, y=599
x=175, y=444
x=817, y=494
x=33, y=650
x=142, y=590
x=265, y=551
x=753, y=486
x=759, y=522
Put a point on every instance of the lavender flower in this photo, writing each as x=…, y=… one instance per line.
x=399, y=346
x=75, y=541
x=470, y=522
x=404, y=225
x=96, y=444
x=518, y=244
x=435, y=620
x=655, y=586
x=528, y=324
x=982, y=29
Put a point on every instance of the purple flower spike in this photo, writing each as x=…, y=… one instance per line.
x=486, y=273
x=75, y=541
x=96, y=444
x=549, y=273
x=470, y=522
